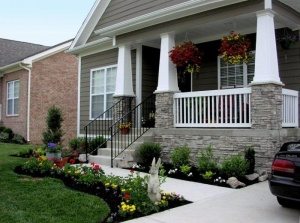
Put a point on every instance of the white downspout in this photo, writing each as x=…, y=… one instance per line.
x=28, y=68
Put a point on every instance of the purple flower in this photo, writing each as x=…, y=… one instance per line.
x=51, y=145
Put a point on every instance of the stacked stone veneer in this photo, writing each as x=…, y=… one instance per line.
x=164, y=117
x=226, y=142
x=265, y=136
x=266, y=106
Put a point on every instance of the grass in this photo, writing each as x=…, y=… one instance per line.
x=25, y=199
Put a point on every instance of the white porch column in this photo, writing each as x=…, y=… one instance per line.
x=266, y=62
x=167, y=76
x=124, y=73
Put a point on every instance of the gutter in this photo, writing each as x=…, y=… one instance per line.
x=27, y=67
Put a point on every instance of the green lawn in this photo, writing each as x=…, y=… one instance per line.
x=25, y=199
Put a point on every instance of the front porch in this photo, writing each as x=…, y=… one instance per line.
x=227, y=108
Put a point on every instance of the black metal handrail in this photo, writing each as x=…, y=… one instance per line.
x=97, y=132
x=141, y=118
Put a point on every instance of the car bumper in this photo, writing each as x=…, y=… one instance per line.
x=284, y=187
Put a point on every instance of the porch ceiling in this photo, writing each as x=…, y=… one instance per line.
x=295, y=4
x=244, y=24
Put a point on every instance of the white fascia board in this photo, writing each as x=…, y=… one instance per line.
x=163, y=15
x=89, y=46
x=47, y=53
x=90, y=23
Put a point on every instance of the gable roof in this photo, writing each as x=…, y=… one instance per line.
x=12, y=51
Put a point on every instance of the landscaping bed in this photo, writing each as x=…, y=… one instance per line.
x=127, y=197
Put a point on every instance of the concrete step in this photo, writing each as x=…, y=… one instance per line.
x=106, y=161
x=107, y=151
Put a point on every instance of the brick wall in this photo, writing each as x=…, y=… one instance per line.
x=16, y=123
x=54, y=82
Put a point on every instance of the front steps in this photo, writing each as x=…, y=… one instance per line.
x=125, y=159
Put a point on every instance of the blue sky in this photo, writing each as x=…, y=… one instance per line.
x=45, y=22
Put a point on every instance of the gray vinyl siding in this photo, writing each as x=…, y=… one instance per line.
x=98, y=60
x=207, y=78
x=120, y=10
x=150, y=70
x=289, y=66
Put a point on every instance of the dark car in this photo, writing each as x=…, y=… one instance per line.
x=284, y=180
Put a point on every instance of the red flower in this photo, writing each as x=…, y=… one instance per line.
x=185, y=55
x=96, y=167
x=72, y=161
x=127, y=196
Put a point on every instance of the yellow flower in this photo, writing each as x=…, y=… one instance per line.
x=114, y=186
x=164, y=197
x=107, y=184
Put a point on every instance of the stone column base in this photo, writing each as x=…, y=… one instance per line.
x=164, y=117
x=266, y=106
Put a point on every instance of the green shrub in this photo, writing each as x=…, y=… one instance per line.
x=186, y=169
x=97, y=142
x=207, y=161
x=144, y=153
x=9, y=132
x=18, y=139
x=53, y=132
x=180, y=156
x=4, y=137
x=77, y=143
x=250, y=157
x=2, y=128
x=235, y=166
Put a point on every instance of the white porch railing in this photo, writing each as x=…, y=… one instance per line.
x=217, y=108
x=289, y=108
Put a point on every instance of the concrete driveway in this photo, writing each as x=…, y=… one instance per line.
x=212, y=204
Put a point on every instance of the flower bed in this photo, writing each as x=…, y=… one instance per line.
x=127, y=197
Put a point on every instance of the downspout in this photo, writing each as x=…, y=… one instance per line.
x=28, y=67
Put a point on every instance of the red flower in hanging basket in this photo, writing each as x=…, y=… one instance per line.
x=186, y=56
x=235, y=48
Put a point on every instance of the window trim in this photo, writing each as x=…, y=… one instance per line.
x=7, y=89
x=105, y=93
x=245, y=74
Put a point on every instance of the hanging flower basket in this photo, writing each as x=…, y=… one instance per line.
x=186, y=57
x=235, y=48
x=286, y=37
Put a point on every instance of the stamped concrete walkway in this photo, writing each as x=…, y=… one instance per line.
x=212, y=204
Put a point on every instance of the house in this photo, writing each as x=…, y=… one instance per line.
x=33, y=78
x=123, y=49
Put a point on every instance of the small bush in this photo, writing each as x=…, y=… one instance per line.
x=2, y=128
x=250, y=157
x=9, y=132
x=144, y=153
x=18, y=139
x=54, y=121
x=97, y=142
x=207, y=161
x=77, y=143
x=235, y=166
x=180, y=156
x=4, y=137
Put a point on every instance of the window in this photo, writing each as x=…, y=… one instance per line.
x=235, y=75
x=102, y=88
x=12, y=107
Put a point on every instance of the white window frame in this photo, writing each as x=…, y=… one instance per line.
x=13, y=98
x=105, y=93
x=245, y=74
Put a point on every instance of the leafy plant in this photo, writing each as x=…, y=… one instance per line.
x=9, y=132
x=180, y=156
x=54, y=121
x=207, y=161
x=250, y=157
x=97, y=142
x=208, y=175
x=77, y=143
x=145, y=153
x=4, y=137
x=186, y=169
x=235, y=166
x=18, y=139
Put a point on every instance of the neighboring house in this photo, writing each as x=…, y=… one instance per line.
x=33, y=78
x=123, y=49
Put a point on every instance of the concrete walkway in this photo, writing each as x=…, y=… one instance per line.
x=212, y=204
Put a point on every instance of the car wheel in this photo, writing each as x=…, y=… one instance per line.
x=284, y=202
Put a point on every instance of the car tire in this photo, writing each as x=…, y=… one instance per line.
x=284, y=202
